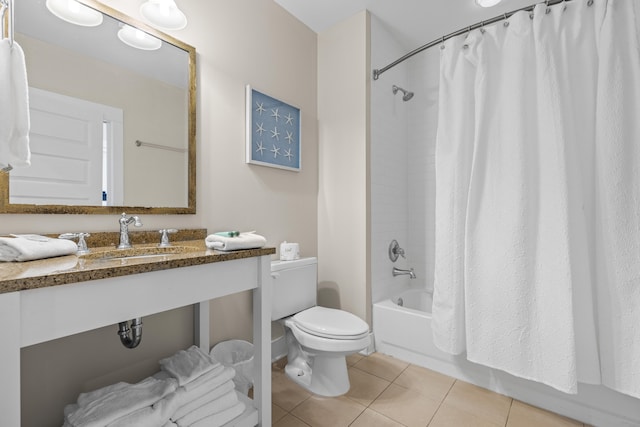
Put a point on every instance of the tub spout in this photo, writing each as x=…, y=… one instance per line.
x=399, y=272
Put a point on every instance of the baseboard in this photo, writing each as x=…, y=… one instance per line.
x=371, y=348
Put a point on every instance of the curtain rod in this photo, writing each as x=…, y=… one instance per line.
x=378, y=72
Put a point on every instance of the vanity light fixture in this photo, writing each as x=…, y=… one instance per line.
x=74, y=12
x=138, y=38
x=487, y=3
x=163, y=14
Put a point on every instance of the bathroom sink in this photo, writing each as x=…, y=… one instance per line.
x=139, y=252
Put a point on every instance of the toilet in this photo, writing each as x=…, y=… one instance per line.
x=318, y=338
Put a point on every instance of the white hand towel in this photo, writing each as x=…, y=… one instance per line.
x=14, y=107
x=213, y=407
x=6, y=104
x=32, y=247
x=187, y=365
x=243, y=241
x=221, y=418
x=211, y=379
x=192, y=400
x=118, y=403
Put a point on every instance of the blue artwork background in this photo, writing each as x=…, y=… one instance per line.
x=275, y=131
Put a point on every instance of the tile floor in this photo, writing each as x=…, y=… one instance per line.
x=386, y=392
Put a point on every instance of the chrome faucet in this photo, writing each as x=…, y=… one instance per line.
x=398, y=272
x=82, y=244
x=124, y=229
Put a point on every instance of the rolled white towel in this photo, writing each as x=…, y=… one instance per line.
x=210, y=408
x=248, y=240
x=118, y=403
x=29, y=247
x=221, y=418
x=187, y=365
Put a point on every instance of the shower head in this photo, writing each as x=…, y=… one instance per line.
x=406, y=94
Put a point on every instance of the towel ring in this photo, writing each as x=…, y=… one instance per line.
x=7, y=7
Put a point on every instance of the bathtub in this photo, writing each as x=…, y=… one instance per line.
x=402, y=327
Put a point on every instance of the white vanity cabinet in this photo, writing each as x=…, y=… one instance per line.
x=37, y=315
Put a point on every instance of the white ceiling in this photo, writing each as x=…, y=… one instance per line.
x=415, y=22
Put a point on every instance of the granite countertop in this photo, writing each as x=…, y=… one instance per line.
x=21, y=276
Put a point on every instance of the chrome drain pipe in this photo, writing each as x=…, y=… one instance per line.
x=130, y=338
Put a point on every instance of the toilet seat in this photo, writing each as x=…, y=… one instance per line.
x=331, y=323
x=313, y=343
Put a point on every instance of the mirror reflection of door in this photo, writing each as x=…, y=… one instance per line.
x=150, y=87
x=75, y=145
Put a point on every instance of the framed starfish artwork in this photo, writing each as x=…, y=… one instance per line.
x=273, y=132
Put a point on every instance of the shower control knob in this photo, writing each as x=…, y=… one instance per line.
x=395, y=251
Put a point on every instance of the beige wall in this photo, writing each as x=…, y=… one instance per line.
x=238, y=42
x=343, y=198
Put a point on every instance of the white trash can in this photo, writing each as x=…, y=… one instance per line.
x=237, y=354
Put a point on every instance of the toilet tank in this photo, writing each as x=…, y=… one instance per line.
x=294, y=286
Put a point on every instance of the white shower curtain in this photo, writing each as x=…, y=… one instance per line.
x=537, y=268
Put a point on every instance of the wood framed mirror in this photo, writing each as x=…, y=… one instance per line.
x=112, y=125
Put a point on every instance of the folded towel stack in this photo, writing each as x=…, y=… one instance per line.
x=206, y=394
x=192, y=389
x=29, y=247
x=247, y=240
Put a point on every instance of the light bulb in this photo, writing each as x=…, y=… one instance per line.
x=487, y=3
x=163, y=14
x=75, y=13
x=73, y=6
x=137, y=38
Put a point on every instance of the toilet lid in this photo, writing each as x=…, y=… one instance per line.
x=331, y=323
